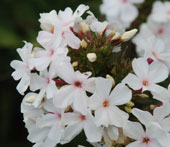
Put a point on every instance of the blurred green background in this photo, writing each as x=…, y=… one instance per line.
x=19, y=21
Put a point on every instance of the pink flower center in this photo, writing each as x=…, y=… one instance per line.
x=51, y=52
x=58, y=116
x=160, y=31
x=150, y=60
x=154, y=54
x=78, y=84
x=52, y=30
x=106, y=104
x=145, y=83
x=146, y=140
x=82, y=117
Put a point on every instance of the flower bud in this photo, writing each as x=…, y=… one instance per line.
x=130, y=104
x=84, y=27
x=31, y=98
x=110, y=77
x=128, y=109
x=116, y=37
x=74, y=64
x=143, y=95
x=91, y=57
x=128, y=35
x=83, y=44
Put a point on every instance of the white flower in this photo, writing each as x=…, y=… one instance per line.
x=53, y=121
x=61, y=33
x=123, y=11
x=154, y=49
x=23, y=68
x=148, y=138
x=44, y=82
x=31, y=114
x=105, y=103
x=91, y=57
x=159, y=117
x=76, y=122
x=146, y=76
x=43, y=58
x=75, y=92
x=152, y=29
x=161, y=12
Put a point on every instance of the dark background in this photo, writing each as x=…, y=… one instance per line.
x=18, y=22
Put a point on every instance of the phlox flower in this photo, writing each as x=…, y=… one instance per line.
x=152, y=29
x=31, y=114
x=105, y=103
x=148, y=138
x=45, y=83
x=146, y=76
x=60, y=28
x=161, y=12
x=160, y=117
x=76, y=122
x=75, y=93
x=53, y=121
x=123, y=11
x=45, y=57
x=23, y=68
x=154, y=49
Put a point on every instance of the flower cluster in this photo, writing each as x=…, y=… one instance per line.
x=73, y=84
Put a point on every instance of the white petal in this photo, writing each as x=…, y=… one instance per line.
x=113, y=132
x=39, y=98
x=129, y=13
x=120, y=95
x=23, y=84
x=93, y=133
x=80, y=101
x=63, y=97
x=72, y=40
x=143, y=116
x=71, y=132
x=134, y=130
x=117, y=117
x=140, y=67
x=154, y=69
x=135, y=144
x=133, y=81
x=103, y=87
x=161, y=112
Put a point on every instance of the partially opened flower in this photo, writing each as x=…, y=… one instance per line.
x=105, y=103
x=23, y=68
x=146, y=76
